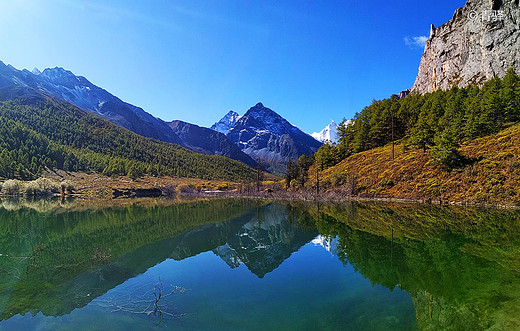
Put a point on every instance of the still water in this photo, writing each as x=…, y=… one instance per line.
x=236, y=264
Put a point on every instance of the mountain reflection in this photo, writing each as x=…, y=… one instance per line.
x=59, y=259
x=264, y=241
x=460, y=265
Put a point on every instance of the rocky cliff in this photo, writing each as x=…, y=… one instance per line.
x=480, y=41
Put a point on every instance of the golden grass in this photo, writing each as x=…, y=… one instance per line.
x=100, y=186
x=493, y=177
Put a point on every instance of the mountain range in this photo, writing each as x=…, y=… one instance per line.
x=270, y=137
x=39, y=131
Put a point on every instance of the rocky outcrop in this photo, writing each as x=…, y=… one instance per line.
x=482, y=40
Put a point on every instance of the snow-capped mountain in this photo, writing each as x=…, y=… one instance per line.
x=263, y=134
x=226, y=123
x=329, y=133
x=330, y=244
x=82, y=93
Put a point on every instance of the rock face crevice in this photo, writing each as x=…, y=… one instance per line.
x=481, y=41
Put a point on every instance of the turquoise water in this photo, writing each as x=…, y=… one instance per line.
x=250, y=265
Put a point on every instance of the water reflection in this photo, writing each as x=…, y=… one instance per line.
x=459, y=265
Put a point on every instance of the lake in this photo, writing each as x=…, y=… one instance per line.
x=239, y=264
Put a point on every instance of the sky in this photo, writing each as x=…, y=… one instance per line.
x=194, y=60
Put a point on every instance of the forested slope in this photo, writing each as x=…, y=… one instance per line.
x=39, y=132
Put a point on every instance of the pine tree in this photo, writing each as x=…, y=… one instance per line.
x=445, y=150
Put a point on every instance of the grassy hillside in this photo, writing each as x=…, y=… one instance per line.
x=38, y=132
x=490, y=174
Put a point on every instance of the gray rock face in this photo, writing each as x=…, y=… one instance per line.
x=482, y=40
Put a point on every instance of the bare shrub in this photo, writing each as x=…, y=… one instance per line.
x=12, y=187
x=168, y=190
x=41, y=186
x=351, y=185
x=32, y=188
x=67, y=187
x=185, y=189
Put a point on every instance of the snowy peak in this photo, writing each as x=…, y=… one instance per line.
x=58, y=74
x=329, y=133
x=263, y=134
x=262, y=118
x=330, y=244
x=226, y=122
x=36, y=71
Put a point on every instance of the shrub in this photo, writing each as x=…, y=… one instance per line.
x=47, y=186
x=183, y=188
x=67, y=186
x=294, y=184
x=352, y=184
x=339, y=178
x=41, y=186
x=223, y=187
x=168, y=190
x=12, y=186
x=386, y=182
x=32, y=188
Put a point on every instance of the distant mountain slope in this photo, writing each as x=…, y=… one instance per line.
x=329, y=133
x=263, y=134
x=82, y=93
x=38, y=131
x=208, y=141
x=226, y=123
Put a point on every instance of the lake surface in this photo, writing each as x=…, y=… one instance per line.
x=237, y=264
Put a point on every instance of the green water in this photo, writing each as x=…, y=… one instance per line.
x=236, y=264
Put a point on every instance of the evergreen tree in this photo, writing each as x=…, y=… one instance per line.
x=445, y=150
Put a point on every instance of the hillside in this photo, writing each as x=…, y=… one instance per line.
x=79, y=91
x=38, y=132
x=491, y=175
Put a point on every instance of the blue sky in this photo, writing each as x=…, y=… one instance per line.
x=311, y=61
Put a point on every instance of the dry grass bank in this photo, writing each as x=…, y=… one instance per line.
x=491, y=177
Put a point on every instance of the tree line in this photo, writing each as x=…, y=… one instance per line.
x=437, y=121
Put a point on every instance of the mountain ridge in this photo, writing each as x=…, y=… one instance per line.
x=81, y=92
x=207, y=141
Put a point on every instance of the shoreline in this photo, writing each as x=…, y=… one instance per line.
x=96, y=187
